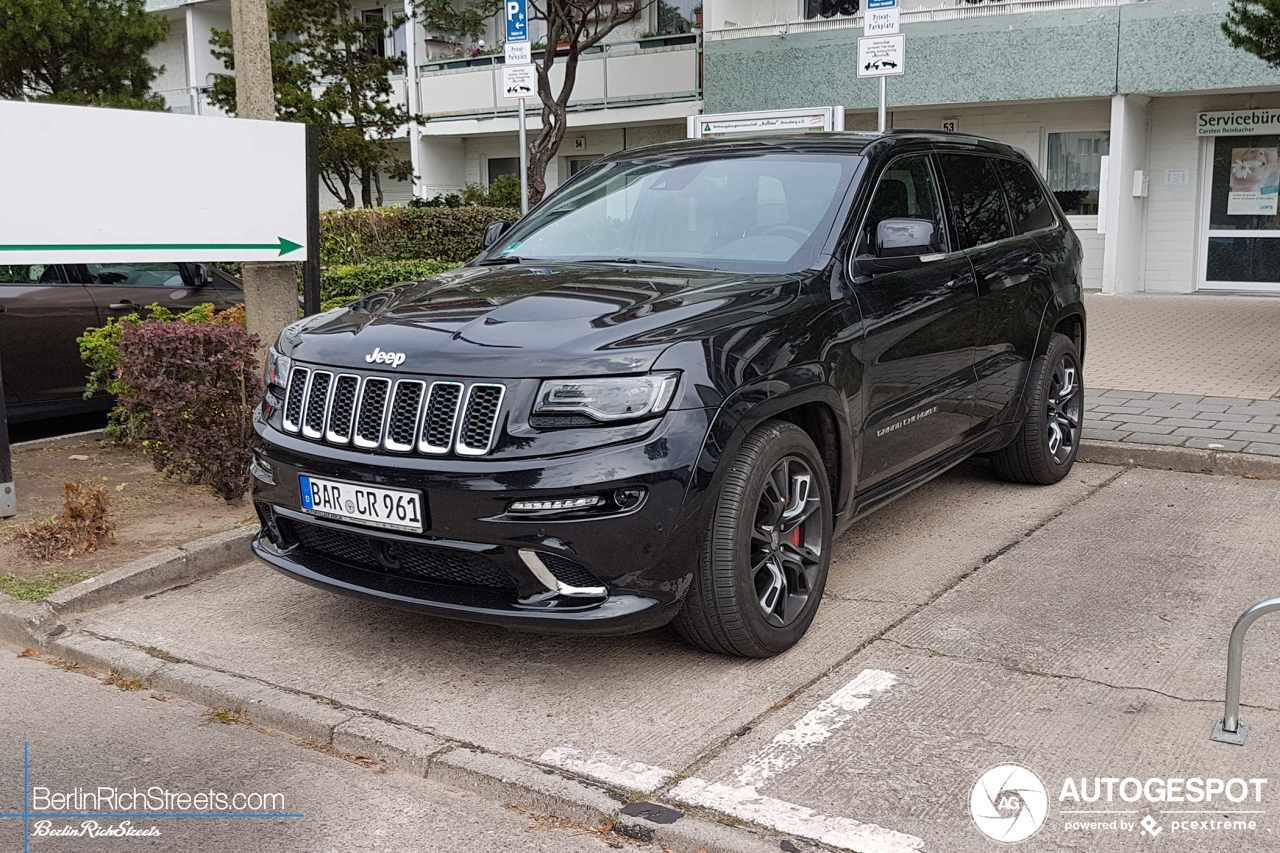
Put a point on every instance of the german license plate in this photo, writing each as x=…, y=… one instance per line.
x=394, y=509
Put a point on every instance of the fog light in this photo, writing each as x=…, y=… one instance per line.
x=627, y=498
x=556, y=504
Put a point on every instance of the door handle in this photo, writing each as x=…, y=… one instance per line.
x=1032, y=259
x=956, y=283
x=120, y=306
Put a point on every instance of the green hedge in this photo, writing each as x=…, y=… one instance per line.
x=341, y=283
x=406, y=233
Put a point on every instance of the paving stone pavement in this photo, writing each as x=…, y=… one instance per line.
x=1197, y=344
x=1230, y=424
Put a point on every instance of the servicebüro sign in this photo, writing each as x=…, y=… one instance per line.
x=1238, y=123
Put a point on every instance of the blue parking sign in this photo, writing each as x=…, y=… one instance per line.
x=517, y=21
x=871, y=4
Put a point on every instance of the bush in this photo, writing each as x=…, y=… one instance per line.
x=198, y=384
x=504, y=191
x=82, y=526
x=406, y=233
x=99, y=349
x=348, y=281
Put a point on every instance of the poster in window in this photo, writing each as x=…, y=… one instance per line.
x=1255, y=182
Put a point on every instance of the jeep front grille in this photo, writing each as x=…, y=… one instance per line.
x=397, y=416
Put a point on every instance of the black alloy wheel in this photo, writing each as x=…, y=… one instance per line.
x=1049, y=440
x=767, y=548
x=786, y=549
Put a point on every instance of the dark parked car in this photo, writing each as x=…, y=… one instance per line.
x=44, y=308
x=661, y=394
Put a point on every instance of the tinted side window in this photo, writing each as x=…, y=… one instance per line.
x=136, y=275
x=1028, y=205
x=977, y=204
x=906, y=190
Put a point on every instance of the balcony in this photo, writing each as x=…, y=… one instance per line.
x=736, y=19
x=634, y=73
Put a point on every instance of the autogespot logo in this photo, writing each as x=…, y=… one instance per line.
x=1009, y=803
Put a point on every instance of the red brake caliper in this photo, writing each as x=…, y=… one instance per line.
x=795, y=536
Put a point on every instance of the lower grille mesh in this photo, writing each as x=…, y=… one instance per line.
x=567, y=571
x=418, y=562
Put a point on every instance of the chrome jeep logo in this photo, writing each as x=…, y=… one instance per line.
x=379, y=356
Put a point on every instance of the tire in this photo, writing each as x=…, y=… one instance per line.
x=1047, y=444
x=731, y=609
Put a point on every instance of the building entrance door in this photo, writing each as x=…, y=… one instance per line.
x=1243, y=251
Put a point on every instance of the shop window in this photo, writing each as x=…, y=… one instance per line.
x=1244, y=210
x=1073, y=167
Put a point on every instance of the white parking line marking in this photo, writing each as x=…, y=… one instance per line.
x=814, y=727
x=631, y=775
x=745, y=804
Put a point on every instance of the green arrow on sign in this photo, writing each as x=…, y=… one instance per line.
x=285, y=246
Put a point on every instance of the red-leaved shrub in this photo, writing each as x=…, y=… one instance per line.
x=199, y=383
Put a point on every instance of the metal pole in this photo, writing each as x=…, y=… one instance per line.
x=1230, y=729
x=8, y=498
x=311, y=267
x=882, y=111
x=524, y=165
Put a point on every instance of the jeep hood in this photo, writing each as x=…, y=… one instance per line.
x=535, y=321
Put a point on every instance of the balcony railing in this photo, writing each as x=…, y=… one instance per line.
x=656, y=70
x=912, y=11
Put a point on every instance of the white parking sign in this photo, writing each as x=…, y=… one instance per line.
x=881, y=56
x=518, y=81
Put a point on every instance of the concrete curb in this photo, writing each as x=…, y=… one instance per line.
x=526, y=784
x=1189, y=460
x=168, y=568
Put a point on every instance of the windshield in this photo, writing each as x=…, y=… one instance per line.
x=744, y=212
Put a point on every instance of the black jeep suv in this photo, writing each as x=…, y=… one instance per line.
x=661, y=394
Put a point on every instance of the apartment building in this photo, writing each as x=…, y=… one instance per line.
x=1159, y=139
x=635, y=89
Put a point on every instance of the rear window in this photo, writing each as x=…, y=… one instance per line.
x=1028, y=205
x=977, y=204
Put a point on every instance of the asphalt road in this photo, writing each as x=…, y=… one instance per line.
x=82, y=733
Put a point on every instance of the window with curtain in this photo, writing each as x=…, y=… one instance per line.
x=1073, y=169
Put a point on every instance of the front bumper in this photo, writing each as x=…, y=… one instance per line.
x=626, y=569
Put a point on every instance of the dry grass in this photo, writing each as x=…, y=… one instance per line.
x=82, y=527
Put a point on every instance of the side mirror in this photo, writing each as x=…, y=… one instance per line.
x=494, y=232
x=203, y=275
x=898, y=238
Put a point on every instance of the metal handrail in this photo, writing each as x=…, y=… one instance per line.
x=1229, y=729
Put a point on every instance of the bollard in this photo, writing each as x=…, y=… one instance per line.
x=1229, y=729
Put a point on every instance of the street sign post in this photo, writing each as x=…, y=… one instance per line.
x=519, y=81
x=882, y=56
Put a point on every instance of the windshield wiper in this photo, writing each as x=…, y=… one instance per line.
x=623, y=261
x=503, y=259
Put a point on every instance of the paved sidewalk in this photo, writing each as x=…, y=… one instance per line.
x=1218, y=346
x=1228, y=424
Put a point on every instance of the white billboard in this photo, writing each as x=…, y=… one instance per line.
x=91, y=185
x=803, y=120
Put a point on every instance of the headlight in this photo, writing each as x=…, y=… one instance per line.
x=616, y=398
x=276, y=376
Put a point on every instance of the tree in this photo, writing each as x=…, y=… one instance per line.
x=1254, y=25
x=581, y=24
x=80, y=52
x=328, y=70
